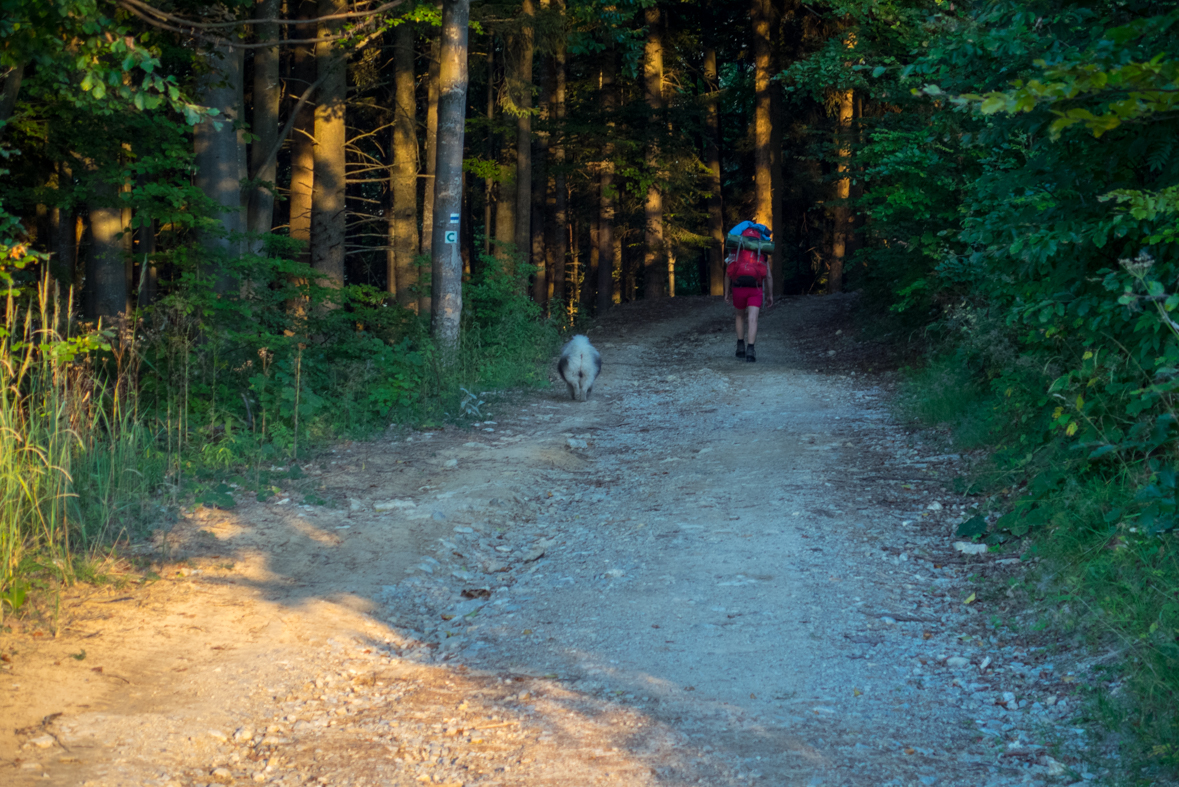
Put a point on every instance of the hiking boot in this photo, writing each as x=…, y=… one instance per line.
x=740, y=348
x=750, y=356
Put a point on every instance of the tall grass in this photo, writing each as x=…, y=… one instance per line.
x=76, y=462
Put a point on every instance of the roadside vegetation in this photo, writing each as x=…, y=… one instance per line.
x=1021, y=197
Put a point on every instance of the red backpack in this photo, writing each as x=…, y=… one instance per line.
x=749, y=269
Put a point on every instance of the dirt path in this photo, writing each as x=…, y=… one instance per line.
x=712, y=573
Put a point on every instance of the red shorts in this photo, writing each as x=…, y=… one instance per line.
x=746, y=296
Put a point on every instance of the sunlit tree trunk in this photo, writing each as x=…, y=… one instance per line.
x=763, y=160
x=328, y=214
x=63, y=239
x=842, y=212
x=539, y=190
x=522, y=97
x=403, y=176
x=431, y=151
x=106, y=282
x=446, y=262
x=712, y=136
x=219, y=148
x=303, y=138
x=654, y=254
x=558, y=245
x=608, y=100
x=267, y=97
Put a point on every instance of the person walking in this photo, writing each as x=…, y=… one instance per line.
x=748, y=282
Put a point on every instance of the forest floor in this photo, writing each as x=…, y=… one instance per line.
x=713, y=572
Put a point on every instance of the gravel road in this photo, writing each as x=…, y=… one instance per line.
x=713, y=572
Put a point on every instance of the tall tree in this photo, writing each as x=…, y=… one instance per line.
x=106, y=283
x=712, y=137
x=608, y=101
x=431, y=179
x=763, y=206
x=540, y=184
x=303, y=76
x=403, y=175
x=328, y=213
x=446, y=261
x=264, y=125
x=558, y=242
x=842, y=213
x=522, y=98
x=654, y=254
x=219, y=148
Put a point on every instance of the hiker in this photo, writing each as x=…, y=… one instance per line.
x=748, y=282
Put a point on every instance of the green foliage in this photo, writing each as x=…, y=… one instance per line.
x=1021, y=189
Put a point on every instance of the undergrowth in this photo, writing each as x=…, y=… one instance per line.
x=107, y=430
x=1076, y=482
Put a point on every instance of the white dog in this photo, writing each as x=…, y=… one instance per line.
x=579, y=366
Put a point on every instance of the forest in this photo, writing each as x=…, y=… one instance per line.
x=230, y=231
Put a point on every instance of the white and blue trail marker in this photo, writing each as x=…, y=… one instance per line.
x=451, y=236
x=454, y=218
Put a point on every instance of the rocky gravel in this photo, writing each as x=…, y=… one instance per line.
x=711, y=573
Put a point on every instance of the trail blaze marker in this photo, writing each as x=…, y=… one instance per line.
x=451, y=236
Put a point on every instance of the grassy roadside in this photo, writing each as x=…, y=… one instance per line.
x=1103, y=582
x=106, y=431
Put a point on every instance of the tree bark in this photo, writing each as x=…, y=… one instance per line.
x=220, y=159
x=558, y=246
x=106, y=282
x=522, y=96
x=303, y=141
x=432, y=75
x=267, y=97
x=763, y=205
x=489, y=190
x=403, y=175
x=328, y=212
x=842, y=212
x=712, y=138
x=608, y=101
x=446, y=262
x=8, y=94
x=540, y=189
x=654, y=254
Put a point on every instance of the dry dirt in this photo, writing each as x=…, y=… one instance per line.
x=713, y=572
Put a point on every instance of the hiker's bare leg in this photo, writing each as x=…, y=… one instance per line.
x=752, y=332
x=740, y=326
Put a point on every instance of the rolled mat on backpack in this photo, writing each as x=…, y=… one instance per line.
x=741, y=237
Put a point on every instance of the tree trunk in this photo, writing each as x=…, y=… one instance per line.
x=63, y=239
x=267, y=97
x=8, y=94
x=328, y=213
x=777, y=190
x=842, y=229
x=220, y=159
x=303, y=139
x=432, y=72
x=403, y=175
x=540, y=189
x=492, y=149
x=106, y=282
x=431, y=145
x=712, y=139
x=522, y=96
x=763, y=204
x=608, y=100
x=559, y=245
x=446, y=262
x=654, y=255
